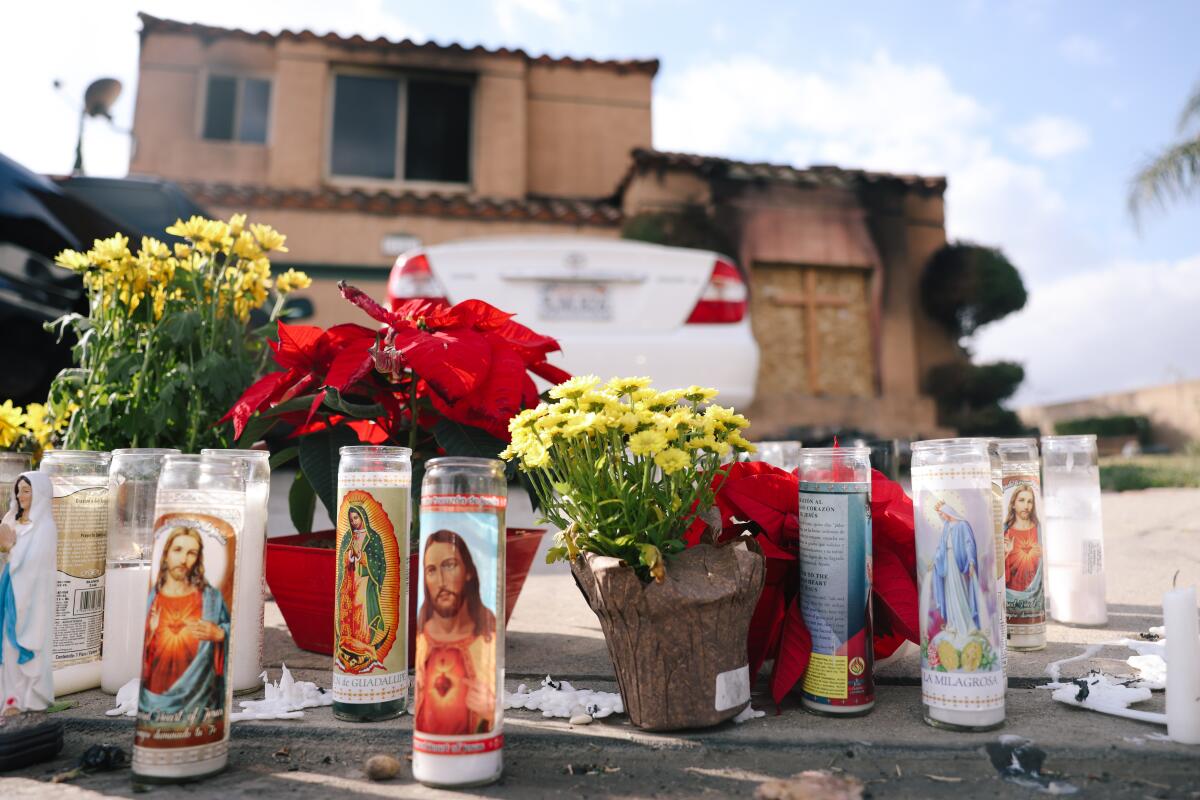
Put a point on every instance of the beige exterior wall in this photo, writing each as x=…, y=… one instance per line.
x=583, y=122
x=563, y=130
x=1173, y=409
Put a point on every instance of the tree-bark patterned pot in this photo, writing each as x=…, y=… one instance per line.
x=679, y=646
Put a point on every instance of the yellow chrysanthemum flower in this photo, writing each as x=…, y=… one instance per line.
x=699, y=394
x=192, y=229
x=574, y=388
x=647, y=442
x=268, y=238
x=72, y=260
x=291, y=281
x=624, y=386
x=236, y=223
x=672, y=460
x=12, y=424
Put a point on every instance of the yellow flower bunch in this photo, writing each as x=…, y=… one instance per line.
x=28, y=430
x=168, y=345
x=622, y=468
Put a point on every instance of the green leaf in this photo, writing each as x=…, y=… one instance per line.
x=181, y=327
x=319, y=462
x=302, y=503
x=465, y=440
x=295, y=404
x=256, y=428
x=284, y=456
x=335, y=401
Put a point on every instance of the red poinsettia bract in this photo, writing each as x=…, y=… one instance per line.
x=764, y=500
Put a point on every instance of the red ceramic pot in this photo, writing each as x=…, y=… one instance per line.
x=300, y=573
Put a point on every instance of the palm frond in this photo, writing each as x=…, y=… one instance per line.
x=1173, y=174
x=1191, y=109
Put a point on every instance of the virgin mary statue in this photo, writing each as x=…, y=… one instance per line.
x=27, y=596
x=957, y=592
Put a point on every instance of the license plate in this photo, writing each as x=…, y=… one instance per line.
x=575, y=301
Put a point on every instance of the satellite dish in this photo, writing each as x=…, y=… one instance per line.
x=99, y=98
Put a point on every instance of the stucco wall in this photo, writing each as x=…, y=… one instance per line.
x=1173, y=409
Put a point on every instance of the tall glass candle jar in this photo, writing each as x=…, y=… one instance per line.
x=251, y=601
x=458, y=706
x=182, y=730
x=835, y=579
x=782, y=454
x=80, y=480
x=370, y=647
x=132, y=485
x=962, y=674
x=1074, y=534
x=1024, y=570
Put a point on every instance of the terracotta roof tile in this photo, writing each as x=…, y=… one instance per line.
x=533, y=209
x=818, y=175
x=152, y=24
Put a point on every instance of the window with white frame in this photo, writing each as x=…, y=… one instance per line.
x=401, y=128
x=236, y=108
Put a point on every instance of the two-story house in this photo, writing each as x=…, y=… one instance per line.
x=358, y=149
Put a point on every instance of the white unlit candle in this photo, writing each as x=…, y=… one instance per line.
x=126, y=588
x=247, y=651
x=1183, y=665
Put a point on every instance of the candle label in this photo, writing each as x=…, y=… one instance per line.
x=835, y=592
x=998, y=535
x=371, y=619
x=1024, y=573
x=460, y=632
x=186, y=684
x=81, y=514
x=960, y=612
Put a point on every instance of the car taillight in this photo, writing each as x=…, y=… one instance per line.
x=724, y=298
x=412, y=279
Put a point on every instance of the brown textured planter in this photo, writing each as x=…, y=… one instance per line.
x=678, y=647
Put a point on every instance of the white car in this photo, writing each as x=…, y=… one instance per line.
x=617, y=307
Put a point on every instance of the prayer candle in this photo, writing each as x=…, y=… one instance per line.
x=132, y=487
x=835, y=579
x=1183, y=665
x=251, y=601
x=370, y=648
x=458, y=708
x=1074, y=534
x=1024, y=572
x=962, y=674
x=191, y=629
x=80, y=479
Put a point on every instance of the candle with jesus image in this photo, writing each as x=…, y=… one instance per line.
x=458, y=713
x=189, y=633
x=962, y=673
x=1024, y=573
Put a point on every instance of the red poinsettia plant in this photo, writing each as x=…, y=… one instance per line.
x=764, y=501
x=436, y=378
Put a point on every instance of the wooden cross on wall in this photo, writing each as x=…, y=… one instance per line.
x=810, y=301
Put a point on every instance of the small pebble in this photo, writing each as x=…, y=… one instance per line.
x=382, y=768
x=580, y=719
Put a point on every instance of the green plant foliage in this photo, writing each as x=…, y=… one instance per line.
x=1149, y=472
x=690, y=226
x=319, y=458
x=964, y=385
x=1115, y=425
x=965, y=286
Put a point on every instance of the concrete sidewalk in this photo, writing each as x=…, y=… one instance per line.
x=1149, y=536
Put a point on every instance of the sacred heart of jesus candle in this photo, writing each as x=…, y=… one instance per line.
x=458, y=709
x=189, y=637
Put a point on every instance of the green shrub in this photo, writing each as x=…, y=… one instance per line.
x=966, y=286
x=1115, y=425
x=1149, y=472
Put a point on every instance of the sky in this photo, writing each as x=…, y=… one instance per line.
x=1038, y=112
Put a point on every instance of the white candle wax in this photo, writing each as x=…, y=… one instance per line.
x=1183, y=665
x=247, y=652
x=127, y=586
x=1075, y=584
